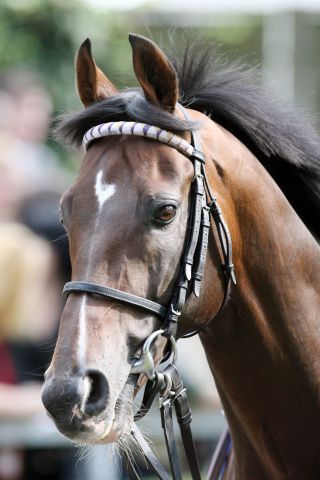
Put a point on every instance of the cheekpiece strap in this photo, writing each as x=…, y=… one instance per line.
x=196, y=225
x=202, y=250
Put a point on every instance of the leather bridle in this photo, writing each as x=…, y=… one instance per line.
x=168, y=383
x=203, y=203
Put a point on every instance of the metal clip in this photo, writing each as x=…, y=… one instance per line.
x=175, y=312
x=145, y=364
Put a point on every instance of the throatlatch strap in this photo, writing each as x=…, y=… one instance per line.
x=225, y=239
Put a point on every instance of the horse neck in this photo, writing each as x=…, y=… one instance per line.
x=264, y=348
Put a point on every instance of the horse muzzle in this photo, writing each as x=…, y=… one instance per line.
x=78, y=404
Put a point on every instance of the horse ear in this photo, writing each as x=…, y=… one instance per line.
x=92, y=84
x=154, y=72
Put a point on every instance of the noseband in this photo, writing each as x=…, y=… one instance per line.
x=167, y=384
x=194, y=256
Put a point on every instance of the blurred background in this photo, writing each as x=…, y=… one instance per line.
x=38, y=41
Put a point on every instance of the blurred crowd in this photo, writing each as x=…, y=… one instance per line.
x=34, y=266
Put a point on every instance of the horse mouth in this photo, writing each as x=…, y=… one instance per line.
x=105, y=428
x=121, y=424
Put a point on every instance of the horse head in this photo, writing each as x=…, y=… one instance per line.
x=126, y=217
x=138, y=227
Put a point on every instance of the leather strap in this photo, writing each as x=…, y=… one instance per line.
x=177, y=396
x=184, y=418
x=151, y=390
x=152, y=459
x=198, y=192
x=108, y=292
x=202, y=250
x=167, y=425
x=194, y=227
x=220, y=456
x=225, y=239
x=174, y=394
x=226, y=248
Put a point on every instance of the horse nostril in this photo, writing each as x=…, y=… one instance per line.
x=97, y=396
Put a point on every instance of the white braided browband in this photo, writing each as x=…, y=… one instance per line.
x=140, y=130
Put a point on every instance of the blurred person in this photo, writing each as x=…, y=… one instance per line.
x=30, y=304
x=27, y=164
x=28, y=312
x=11, y=178
x=29, y=293
x=40, y=212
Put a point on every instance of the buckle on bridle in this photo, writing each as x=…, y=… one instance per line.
x=175, y=312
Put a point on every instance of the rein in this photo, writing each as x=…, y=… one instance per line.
x=167, y=383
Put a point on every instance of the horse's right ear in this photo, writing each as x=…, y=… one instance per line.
x=154, y=72
x=92, y=84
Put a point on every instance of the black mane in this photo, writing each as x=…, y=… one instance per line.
x=232, y=95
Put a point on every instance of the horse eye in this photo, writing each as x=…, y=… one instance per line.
x=165, y=214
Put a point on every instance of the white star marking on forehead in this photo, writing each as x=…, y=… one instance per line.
x=103, y=190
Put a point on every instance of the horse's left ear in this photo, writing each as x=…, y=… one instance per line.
x=155, y=73
x=92, y=83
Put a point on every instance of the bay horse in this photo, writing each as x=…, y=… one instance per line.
x=126, y=217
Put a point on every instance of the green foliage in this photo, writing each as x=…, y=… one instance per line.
x=43, y=36
x=37, y=38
